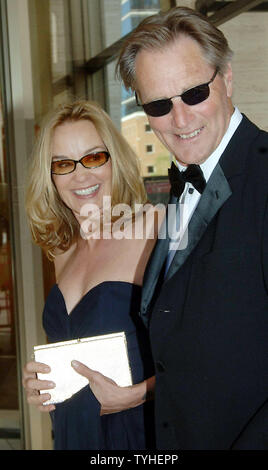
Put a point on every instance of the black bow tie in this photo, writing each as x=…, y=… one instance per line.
x=178, y=178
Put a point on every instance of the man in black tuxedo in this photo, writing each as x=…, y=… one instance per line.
x=205, y=293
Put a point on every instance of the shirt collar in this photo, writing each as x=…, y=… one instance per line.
x=210, y=163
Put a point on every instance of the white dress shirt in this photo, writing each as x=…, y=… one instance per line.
x=190, y=196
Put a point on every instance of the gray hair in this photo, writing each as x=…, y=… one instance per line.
x=157, y=31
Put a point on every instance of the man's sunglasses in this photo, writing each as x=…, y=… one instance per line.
x=191, y=97
x=92, y=160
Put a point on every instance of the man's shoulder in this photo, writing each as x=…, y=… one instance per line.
x=263, y=137
x=259, y=146
x=256, y=163
x=253, y=129
x=256, y=141
x=246, y=151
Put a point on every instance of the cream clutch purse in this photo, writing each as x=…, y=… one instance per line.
x=106, y=354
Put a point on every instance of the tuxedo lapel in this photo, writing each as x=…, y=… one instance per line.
x=217, y=190
x=156, y=261
x=216, y=193
x=214, y=196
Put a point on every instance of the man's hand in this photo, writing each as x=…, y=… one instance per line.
x=111, y=397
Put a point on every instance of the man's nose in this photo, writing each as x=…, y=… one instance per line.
x=181, y=113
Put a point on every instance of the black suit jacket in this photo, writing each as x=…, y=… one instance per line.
x=209, y=322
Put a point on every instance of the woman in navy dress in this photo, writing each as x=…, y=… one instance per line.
x=80, y=164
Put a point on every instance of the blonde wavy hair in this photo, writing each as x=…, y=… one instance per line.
x=52, y=223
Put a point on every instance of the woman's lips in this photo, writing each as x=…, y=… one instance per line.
x=85, y=192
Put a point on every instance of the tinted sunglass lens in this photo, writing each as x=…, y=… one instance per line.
x=62, y=167
x=95, y=160
x=158, y=108
x=196, y=95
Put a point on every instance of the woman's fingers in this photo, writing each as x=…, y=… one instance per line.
x=34, y=385
x=36, y=367
x=39, y=400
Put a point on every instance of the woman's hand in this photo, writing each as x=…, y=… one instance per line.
x=111, y=397
x=33, y=386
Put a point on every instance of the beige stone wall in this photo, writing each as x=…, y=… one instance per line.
x=247, y=35
x=134, y=130
x=248, y=38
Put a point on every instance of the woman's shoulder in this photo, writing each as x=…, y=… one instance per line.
x=62, y=258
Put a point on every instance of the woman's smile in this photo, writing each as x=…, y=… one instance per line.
x=73, y=140
x=85, y=192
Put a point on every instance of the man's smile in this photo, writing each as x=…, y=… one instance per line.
x=190, y=135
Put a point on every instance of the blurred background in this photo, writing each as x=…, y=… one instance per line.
x=52, y=51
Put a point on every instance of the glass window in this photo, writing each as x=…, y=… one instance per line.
x=9, y=402
x=150, y=169
x=134, y=122
x=76, y=39
x=134, y=11
x=60, y=47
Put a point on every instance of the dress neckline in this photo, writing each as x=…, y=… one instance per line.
x=89, y=292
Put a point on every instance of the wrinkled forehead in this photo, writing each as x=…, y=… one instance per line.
x=182, y=47
x=172, y=69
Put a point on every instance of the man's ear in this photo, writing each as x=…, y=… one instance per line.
x=228, y=80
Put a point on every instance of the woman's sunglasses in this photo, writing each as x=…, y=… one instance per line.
x=191, y=97
x=92, y=160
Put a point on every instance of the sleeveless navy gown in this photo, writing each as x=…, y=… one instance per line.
x=109, y=307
